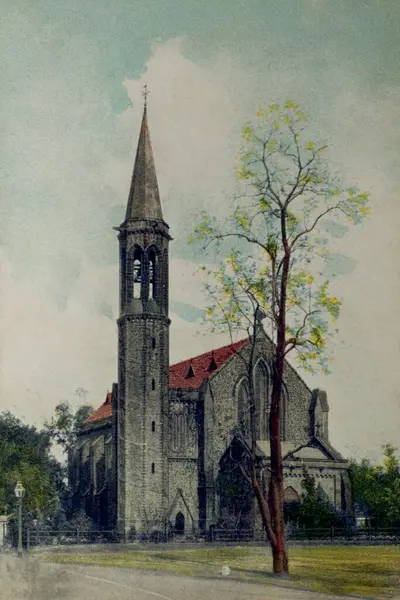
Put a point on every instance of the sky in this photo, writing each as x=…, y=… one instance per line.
x=70, y=109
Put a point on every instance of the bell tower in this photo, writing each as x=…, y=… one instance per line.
x=143, y=350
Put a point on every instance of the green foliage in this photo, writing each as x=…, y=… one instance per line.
x=25, y=455
x=64, y=426
x=80, y=521
x=376, y=489
x=315, y=510
x=278, y=237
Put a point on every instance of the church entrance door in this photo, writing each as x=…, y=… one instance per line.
x=179, y=524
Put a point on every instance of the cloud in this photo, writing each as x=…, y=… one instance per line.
x=194, y=127
x=50, y=353
x=59, y=279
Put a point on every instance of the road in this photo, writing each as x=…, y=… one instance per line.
x=31, y=579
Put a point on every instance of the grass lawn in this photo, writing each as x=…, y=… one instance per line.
x=369, y=571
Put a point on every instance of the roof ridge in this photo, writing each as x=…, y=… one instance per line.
x=203, y=354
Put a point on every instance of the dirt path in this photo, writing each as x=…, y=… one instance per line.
x=31, y=579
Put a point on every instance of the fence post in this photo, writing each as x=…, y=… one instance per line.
x=77, y=536
x=28, y=539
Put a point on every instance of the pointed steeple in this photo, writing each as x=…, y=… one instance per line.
x=144, y=197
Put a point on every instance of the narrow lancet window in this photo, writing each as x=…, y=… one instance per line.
x=262, y=393
x=137, y=273
x=152, y=274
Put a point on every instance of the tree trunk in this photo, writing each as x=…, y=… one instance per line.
x=279, y=554
x=276, y=495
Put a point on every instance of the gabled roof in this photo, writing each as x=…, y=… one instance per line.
x=103, y=412
x=322, y=397
x=315, y=449
x=188, y=374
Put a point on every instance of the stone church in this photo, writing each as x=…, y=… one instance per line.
x=151, y=456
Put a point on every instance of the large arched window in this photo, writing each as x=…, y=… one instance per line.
x=262, y=398
x=243, y=407
x=263, y=393
x=283, y=415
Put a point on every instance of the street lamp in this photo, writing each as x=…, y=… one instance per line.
x=19, y=493
x=35, y=524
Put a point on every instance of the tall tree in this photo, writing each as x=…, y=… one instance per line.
x=25, y=455
x=315, y=509
x=273, y=244
x=376, y=488
x=64, y=426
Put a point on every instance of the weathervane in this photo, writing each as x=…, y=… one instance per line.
x=145, y=94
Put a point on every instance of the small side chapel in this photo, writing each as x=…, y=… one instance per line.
x=153, y=454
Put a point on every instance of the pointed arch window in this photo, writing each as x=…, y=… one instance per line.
x=135, y=272
x=152, y=272
x=263, y=400
x=179, y=431
x=282, y=421
x=243, y=407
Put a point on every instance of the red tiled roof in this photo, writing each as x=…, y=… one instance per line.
x=188, y=374
x=103, y=412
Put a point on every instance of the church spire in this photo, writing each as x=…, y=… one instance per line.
x=144, y=197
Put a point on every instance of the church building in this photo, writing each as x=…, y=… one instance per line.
x=153, y=454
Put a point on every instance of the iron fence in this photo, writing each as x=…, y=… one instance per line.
x=49, y=538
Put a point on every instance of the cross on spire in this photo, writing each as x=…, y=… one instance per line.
x=144, y=198
x=145, y=93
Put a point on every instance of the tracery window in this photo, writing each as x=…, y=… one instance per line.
x=262, y=398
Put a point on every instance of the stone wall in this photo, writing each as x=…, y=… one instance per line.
x=221, y=417
x=143, y=371
x=183, y=451
x=221, y=412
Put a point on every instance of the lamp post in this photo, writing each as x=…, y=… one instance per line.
x=35, y=524
x=19, y=493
